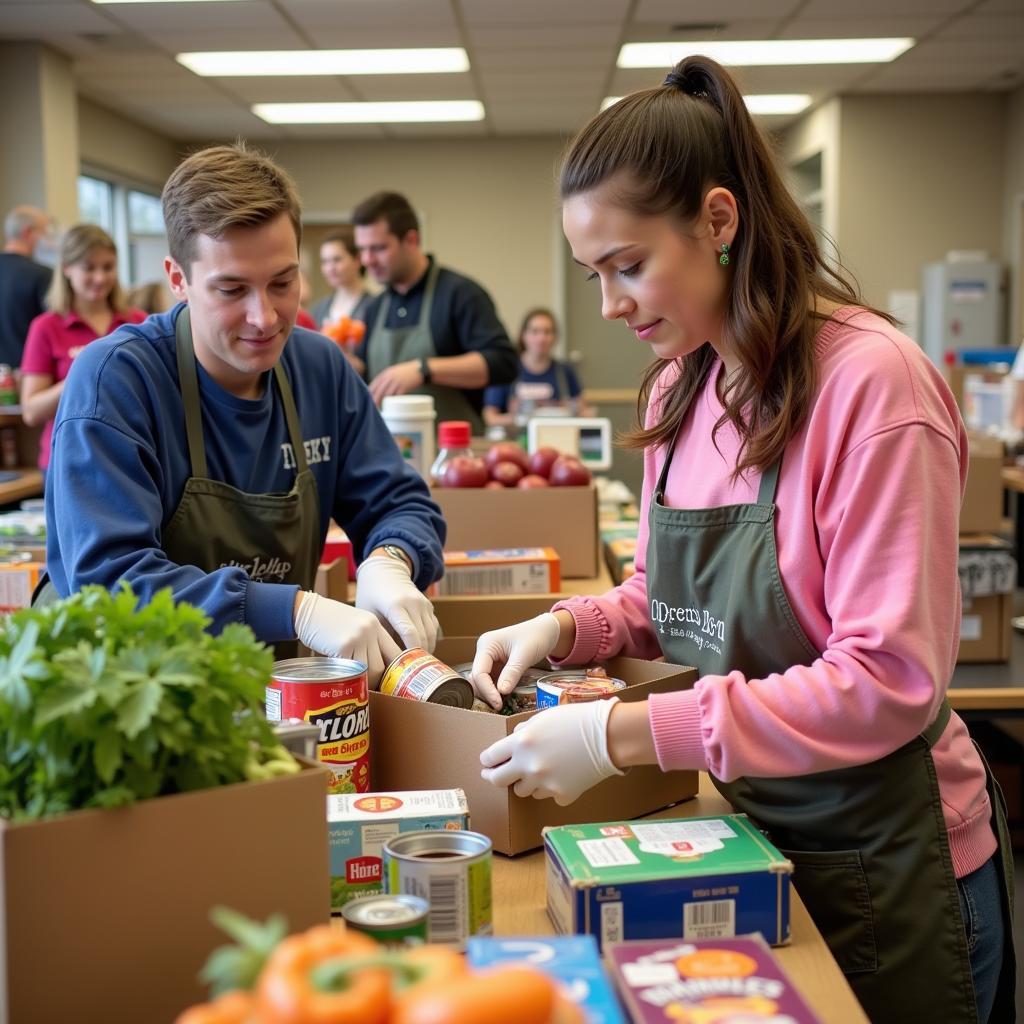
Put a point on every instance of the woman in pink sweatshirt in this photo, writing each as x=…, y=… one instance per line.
x=804, y=467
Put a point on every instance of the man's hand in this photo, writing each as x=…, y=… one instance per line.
x=384, y=587
x=516, y=648
x=560, y=753
x=399, y=379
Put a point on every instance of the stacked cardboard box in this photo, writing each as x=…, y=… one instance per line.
x=988, y=574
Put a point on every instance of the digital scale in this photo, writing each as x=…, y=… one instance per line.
x=589, y=438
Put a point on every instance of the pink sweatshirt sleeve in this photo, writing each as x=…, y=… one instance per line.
x=887, y=524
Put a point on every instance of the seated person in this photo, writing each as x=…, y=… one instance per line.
x=543, y=381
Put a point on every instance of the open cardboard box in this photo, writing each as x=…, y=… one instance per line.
x=430, y=746
x=104, y=914
x=471, y=616
x=563, y=518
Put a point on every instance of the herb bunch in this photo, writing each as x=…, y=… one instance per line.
x=104, y=702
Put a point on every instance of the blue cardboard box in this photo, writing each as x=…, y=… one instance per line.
x=692, y=878
x=572, y=960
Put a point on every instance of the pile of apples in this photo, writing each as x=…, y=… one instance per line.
x=507, y=465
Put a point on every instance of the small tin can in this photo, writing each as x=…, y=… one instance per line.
x=522, y=698
x=395, y=921
x=420, y=676
x=451, y=870
x=574, y=688
x=333, y=695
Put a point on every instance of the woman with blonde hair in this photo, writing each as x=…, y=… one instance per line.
x=85, y=303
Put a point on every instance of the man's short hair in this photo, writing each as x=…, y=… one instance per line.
x=391, y=207
x=220, y=188
x=21, y=218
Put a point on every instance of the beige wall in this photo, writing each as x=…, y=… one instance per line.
x=1013, y=211
x=487, y=205
x=111, y=142
x=919, y=175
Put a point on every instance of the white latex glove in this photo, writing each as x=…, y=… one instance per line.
x=383, y=587
x=516, y=647
x=560, y=752
x=341, y=631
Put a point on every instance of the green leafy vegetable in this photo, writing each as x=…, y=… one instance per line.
x=103, y=703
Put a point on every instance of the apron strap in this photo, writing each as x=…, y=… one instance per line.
x=938, y=727
x=189, y=384
x=769, y=483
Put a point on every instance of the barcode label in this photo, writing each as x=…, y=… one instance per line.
x=710, y=919
x=444, y=909
x=611, y=922
x=477, y=581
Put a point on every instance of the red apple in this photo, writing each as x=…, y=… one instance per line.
x=568, y=471
x=542, y=460
x=507, y=451
x=494, y=485
x=508, y=474
x=464, y=471
x=531, y=480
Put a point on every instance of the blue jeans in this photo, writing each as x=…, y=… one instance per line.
x=982, y=912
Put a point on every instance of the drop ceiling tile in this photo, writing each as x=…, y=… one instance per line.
x=549, y=85
x=954, y=51
x=322, y=89
x=314, y=15
x=546, y=37
x=198, y=17
x=25, y=20
x=677, y=12
x=882, y=8
x=544, y=12
x=192, y=41
x=462, y=130
x=740, y=28
x=335, y=133
x=528, y=60
x=999, y=7
x=343, y=37
x=415, y=87
x=913, y=25
x=135, y=65
x=979, y=26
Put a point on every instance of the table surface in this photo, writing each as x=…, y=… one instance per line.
x=28, y=485
x=519, y=909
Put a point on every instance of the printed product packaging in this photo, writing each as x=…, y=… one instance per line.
x=691, y=878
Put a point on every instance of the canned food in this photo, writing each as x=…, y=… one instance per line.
x=332, y=694
x=522, y=698
x=420, y=676
x=576, y=687
x=452, y=872
x=390, y=920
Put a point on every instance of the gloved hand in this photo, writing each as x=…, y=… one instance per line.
x=517, y=648
x=341, y=631
x=383, y=586
x=558, y=753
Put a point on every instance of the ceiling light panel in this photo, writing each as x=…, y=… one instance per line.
x=410, y=112
x=265, y=63
x=762, y=52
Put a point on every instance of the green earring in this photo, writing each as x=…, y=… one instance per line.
x=724, y=258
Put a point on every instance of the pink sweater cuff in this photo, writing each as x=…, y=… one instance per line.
x=676, y=728
x=589, y=631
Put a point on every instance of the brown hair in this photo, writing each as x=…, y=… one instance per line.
x=667, y=147
x=224, y=187
x=345, y=236
x=76, y=245
x=389, y=206
x=536, y=311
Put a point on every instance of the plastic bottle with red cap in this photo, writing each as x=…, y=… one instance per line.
x=452, y=441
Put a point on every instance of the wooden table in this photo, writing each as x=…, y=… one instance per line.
x=28, y=485
x=519, y=909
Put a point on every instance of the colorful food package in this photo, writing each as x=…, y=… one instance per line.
x=499, y=571
x=705, y=981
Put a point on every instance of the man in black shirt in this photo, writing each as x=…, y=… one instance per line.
x=23, y=282
x=432, y=331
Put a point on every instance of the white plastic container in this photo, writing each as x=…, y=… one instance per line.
x=988, y=405
x=410, y=418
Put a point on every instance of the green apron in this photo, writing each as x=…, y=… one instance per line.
x=869, y=843
x=390, y=345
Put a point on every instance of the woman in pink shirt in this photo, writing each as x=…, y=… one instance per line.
x=85, y=304
x=804, y=466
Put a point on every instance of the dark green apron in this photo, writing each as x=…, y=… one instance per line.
x=869, y=843
x=274, y=537
x=390, y=345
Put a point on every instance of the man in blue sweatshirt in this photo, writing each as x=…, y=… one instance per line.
x=207, y=448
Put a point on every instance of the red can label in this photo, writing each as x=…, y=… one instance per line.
x=333, y=695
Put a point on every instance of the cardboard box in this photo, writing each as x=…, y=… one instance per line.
x=564, y=518
x=688, y=878
x=988, y=575
x=982, y=508
x=359, y=824
x=494, y=571
x=665, y=982
x=572, y=960
x=104, y=915
x=332, y=580
x=428, y=746
x=620, y=555
x=471, y=616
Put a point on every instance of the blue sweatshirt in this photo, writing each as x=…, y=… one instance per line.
x=120, y=463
